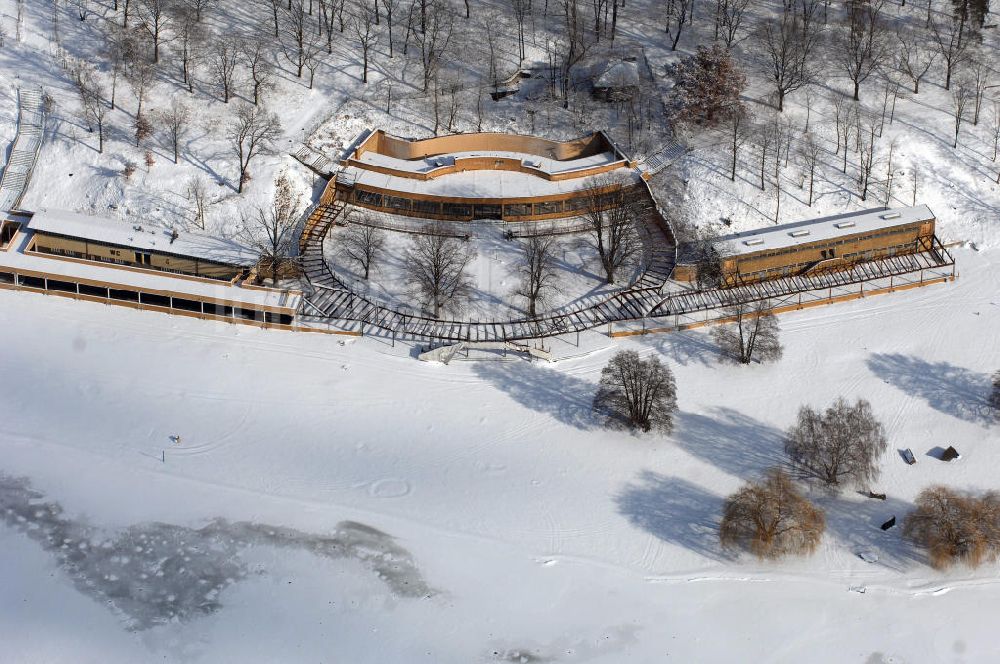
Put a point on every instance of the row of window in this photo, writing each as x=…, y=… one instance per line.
x=480, y=211
x=796, y=268
x=149, y=299
x=141, y=258
x=911, y=229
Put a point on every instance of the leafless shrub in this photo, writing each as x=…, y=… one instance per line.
x=839, y=446
x=771, y=519
x=753, y=334
x=637, y=394
x=954, y=528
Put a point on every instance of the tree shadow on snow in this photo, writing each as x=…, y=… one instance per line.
x=733, y=442
x=684, y=347
x=947, y=388
x=675, y=511
x=856, y=525
x=563, y=396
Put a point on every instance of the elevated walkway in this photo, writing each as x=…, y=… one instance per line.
x=24, y=152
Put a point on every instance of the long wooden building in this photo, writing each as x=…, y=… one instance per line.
x=817, y=245
x=462, y=177
x=141, y=266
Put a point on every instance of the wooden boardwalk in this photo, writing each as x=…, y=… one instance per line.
x=24, y=152
x=331, y=301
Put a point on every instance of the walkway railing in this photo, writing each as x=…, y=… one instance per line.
x=24, y=152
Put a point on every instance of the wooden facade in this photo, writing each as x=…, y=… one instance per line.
x=410, y=201
x=804, y=251
x=87, y=249
x=466, y=209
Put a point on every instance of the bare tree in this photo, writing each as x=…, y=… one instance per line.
x=434, y=38
x=771, y=519
x=252, y=131
x=739, y=122
x=197, y=193
x=295, y=33
x=94, y=108
x=313, y=59
x=175, y=121
x=270, y=228
x=436, y=265
x=867, y=137
x=979, y=81
x=764, y=137
x=729, y=21
x=538, y=274
x=995, y=129
x=787, y=43
x=841, y=445
x=255, y=57
x=953, y=44
x=155, y=17
x=955, y=527
x=861, y=45
x=141, y=76
x=365, y=32
x=914, y=57
x=635, y=393
x=677, y=15
x=388, y=8
x=961, y=96
x=190, y=37
x=809, y=153
x=612, y=212
x=572, y=47
x=363, y=243
x=199, y=7
x=224, y=57
x=753, y=334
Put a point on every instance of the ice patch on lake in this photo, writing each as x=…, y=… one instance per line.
x=156, y=573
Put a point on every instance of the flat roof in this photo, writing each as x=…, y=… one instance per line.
x=143, y=236
x=15, y=258
x=483, y=184
x=543, y=164
x=818, y=230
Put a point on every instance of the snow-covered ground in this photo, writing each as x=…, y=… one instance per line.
x=493, y=273
x=534, y=530
x=332, y=499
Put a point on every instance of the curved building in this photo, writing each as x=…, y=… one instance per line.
x=461, y=177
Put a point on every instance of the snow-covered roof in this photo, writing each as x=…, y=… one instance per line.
x=143, y=236
x=537, y=162
x=15, y=258
x=818, y=230
x=483, y=184
x=621, y=74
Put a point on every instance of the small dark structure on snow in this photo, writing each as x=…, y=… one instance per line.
x=908, y=457
x=620, y=80
x=950, y=454
x=891, y=523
